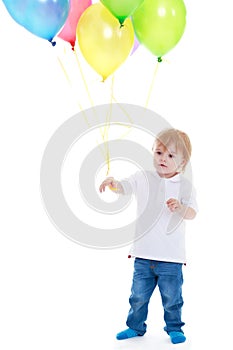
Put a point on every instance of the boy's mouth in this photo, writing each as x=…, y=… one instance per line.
x=163, y=165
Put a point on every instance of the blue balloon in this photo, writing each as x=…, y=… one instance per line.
x=44, y=18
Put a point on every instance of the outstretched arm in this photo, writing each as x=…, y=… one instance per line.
x=113, y=184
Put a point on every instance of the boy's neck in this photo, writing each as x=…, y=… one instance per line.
x=168, y=176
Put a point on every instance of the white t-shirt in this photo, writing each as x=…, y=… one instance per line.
x=160, y=234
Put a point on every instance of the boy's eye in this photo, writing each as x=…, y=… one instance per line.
x=170, y=156
x=158, y=152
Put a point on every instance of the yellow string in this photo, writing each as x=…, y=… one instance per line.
x=87, y=90
x=107, y=156
x=71, y=86
x=152, y=84
x=64, y=71
x=86, y=86
x=104, y=131
x=123, y=110
x=83, y=78
x=129, y=127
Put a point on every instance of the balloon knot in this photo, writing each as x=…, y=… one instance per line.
x=160, y=59
x=72, y=44
x=121, y=25
x=53, y=43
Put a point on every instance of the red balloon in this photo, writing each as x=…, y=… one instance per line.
x=68, y=32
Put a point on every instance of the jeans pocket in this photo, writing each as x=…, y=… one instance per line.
x=170, y=269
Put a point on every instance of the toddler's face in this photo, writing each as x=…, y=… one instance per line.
x=168, y=161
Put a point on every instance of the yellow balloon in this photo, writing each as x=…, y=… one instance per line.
x=104, y=43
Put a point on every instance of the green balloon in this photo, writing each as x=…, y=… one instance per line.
x=160, y=24
x=122, y=9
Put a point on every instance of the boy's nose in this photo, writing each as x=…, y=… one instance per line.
x=163, y=159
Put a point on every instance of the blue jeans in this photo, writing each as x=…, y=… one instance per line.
x=169, y=278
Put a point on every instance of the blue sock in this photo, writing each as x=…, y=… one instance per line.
x=128, y=333
x=177, y=337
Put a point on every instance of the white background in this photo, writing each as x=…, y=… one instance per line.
x=56, y=294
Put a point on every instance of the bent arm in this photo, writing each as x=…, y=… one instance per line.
x=184, y=211
x=187, y=213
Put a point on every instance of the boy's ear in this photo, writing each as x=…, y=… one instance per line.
x=183, y=163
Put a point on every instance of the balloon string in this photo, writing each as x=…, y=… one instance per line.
x=129, y=127
x=87, y=90
x=83, y=78
x=104, y=134
x=64, y=71
x=105, y=130
x=125, y=112
x=152, y=83
x=107, y=126
x=70, y=84
x=85, y=83
x=104, y=148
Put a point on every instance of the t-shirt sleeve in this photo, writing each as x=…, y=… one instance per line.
x=190, y=199
x=129, y=184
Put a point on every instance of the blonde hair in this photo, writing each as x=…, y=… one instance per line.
x=179, y=139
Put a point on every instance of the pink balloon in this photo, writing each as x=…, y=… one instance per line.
x=68, y=32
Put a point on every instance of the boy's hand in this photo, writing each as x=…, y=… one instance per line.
x=186, y=212
x=108, y=182
x=174, y=205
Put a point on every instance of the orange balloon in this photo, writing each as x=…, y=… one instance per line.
x=104, y=43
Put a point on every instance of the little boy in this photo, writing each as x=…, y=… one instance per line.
x=165, y=198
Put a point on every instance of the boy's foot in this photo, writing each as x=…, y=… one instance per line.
x=128, y=333
x=177, y=337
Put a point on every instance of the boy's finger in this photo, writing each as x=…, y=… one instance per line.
x=102, y=188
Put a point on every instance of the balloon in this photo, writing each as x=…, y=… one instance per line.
x=160, y=24
x=103, y=42
x=121, y=9
x=135, y=46
x=43, y=18
x=68, y=32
